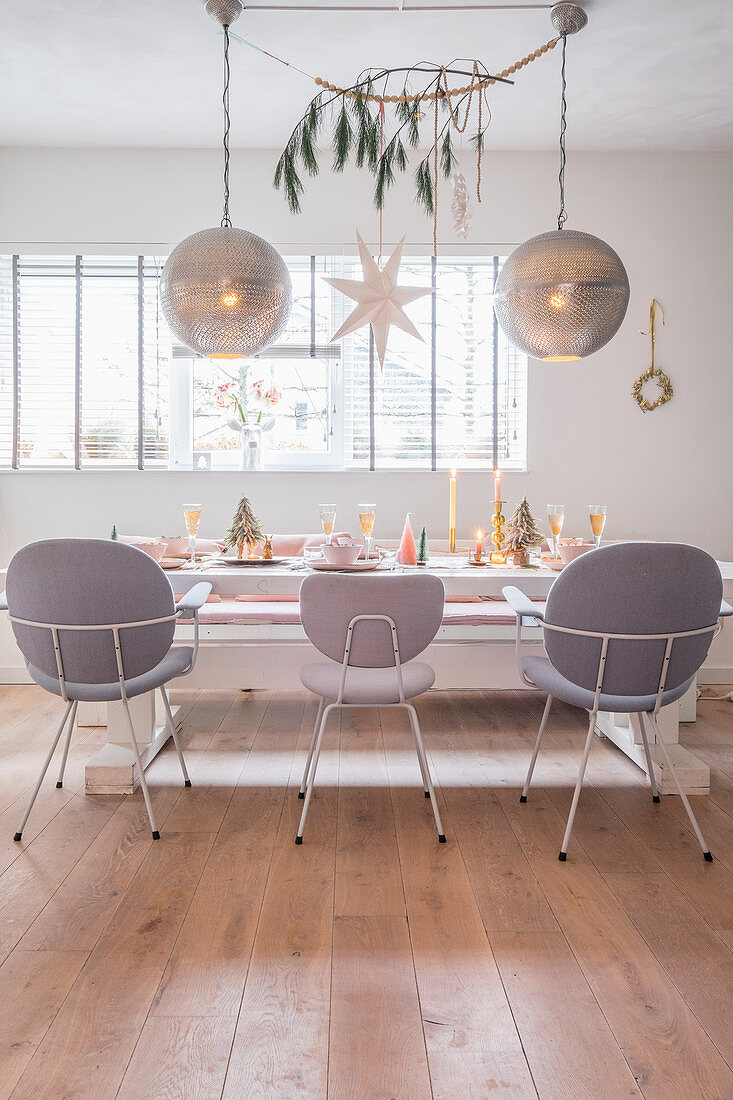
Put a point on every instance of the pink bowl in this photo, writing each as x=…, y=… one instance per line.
x=341, y=555
x=156, y=550
x=570, y=553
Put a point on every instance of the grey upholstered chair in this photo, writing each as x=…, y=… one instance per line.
x=626, y=629
x=94, y=620
x=370, y=629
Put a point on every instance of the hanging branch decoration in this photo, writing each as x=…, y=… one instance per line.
x=653, y=373
x=355, y=136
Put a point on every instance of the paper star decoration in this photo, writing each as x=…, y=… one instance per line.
x=379, y=299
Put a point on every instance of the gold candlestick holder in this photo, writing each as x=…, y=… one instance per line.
x=452, y=541
x=497, y=557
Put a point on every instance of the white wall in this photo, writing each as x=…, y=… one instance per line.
x=663, y=475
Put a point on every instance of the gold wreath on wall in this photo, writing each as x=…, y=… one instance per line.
x=653, y=373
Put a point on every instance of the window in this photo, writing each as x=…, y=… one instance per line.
x=88, y=377
x=83, y=362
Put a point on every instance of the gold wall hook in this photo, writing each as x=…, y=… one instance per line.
x=654, y=305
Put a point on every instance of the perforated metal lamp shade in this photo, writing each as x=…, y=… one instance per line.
x=561, y=295
x=225, y=293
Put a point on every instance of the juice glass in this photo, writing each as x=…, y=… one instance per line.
x=367, y=515
x=555, y=518
x=597, y=516
x=192, y=518
x=328, y=520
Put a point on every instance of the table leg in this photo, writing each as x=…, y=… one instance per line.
x=112, y=770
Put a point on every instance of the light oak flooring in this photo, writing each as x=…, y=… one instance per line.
x=371, y=962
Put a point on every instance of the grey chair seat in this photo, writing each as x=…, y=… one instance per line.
x=367, y=685
x=175, y=663
x=545, y=676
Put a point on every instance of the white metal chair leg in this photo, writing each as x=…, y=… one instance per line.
x=140, y=771
x=62, y=769
x=576, y=795
x=535, y=753
x=316, y=724
x=313, y=769
x=36, y=789
x=683, y=796
x=172, y=730
x=647, y=753
x=423, y=774
x=420, y=750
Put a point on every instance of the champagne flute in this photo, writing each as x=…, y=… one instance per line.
x=328, y=520
x=556, y=518
x=597, y=514
x=192, y=517
x=367, y=515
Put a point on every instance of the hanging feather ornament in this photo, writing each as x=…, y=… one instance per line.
x=461, y=205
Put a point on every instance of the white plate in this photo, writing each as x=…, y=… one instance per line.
x=357, y=567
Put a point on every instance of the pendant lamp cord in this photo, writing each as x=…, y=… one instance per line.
x=226, y=221
x=562, y=216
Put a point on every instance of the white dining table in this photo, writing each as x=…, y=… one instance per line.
x=111, y=769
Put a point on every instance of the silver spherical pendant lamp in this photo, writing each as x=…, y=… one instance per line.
x=562, y=295
x=225, y=292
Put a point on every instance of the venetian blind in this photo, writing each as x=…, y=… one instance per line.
x=458, y=398
x=83, y=362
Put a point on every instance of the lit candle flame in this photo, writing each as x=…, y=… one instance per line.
x=453, y=472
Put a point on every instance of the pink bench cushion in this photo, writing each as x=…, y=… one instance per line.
x=286, y=611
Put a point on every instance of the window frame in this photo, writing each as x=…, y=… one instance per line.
x=180, y=453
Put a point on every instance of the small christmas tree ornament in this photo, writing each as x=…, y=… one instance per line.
x=422, y=547
x=113, y=536
x=407, y=553
x=522, y=533
x=267, y=548
x=245, y=528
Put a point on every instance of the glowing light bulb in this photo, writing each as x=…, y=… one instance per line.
x=557, y=301
x=229, y=299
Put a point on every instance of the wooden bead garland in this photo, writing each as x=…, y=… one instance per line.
x=474, y=86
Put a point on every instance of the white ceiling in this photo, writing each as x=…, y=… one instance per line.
x=644, y=74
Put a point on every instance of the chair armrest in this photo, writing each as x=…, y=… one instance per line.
x=521, y=605
x=4, y=604
x=725, y=608
x=195, y=598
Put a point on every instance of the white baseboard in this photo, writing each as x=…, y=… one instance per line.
x=711, y=675
x=16, y=674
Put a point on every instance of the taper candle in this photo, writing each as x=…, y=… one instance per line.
x=479, y=545
x=497, y=484
x=452, y=515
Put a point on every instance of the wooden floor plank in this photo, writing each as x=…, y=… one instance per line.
x=368, y=876
x=208, y=965
x=570, y=1048
x=463, y=1004
x=179, y=1057
x=669, y=1052
x=88, y=1046
x=377, y=1046
x=506, y=889
x=696, y=959
x=33, y=986
x=281, y=1043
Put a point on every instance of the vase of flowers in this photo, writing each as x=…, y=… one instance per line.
x=248, y=419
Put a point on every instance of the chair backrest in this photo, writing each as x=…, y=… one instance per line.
x=634, y=588
x=87, y=582
x=328, y=603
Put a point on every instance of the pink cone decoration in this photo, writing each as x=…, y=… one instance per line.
x=407, y=553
